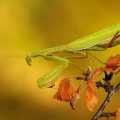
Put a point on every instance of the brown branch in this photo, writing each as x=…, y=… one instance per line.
x=111, y=92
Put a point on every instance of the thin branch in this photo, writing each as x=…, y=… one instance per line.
x=105, y=114
x=100, y=112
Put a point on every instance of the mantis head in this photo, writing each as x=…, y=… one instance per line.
x=28, y=59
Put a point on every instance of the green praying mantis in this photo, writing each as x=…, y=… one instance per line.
x=98, y=41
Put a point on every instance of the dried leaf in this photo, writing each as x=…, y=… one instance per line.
x=117, y=114
x=113, y=61
x=100, y=70
x=67, y=93
x=90, y=94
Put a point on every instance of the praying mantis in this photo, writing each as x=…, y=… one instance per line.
x=98, y=41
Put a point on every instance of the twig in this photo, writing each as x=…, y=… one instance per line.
x=111, y=92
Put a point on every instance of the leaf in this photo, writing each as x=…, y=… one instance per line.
x=67, y=93
x=117, y=114
x=113, y=61
x=100, y=70
x=90, y=94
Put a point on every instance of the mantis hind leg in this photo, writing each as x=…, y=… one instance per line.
x=78, y=56
x=117, y=35
x=105, y=44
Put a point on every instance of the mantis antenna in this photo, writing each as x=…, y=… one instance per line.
x=13, y=55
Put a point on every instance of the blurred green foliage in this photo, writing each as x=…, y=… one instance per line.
x=27, y=26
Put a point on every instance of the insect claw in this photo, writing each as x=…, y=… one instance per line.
x=28, y=59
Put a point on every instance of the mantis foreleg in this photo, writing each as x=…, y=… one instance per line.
x=48, y=80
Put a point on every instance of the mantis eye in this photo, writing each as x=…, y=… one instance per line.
x=28, y=59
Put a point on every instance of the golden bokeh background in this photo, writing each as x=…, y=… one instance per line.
x=30, y=25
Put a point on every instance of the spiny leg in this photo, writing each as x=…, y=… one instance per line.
x=48, y=80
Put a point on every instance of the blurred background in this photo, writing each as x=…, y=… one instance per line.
x=31, y=25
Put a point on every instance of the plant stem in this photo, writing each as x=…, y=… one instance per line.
x=100, y=112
